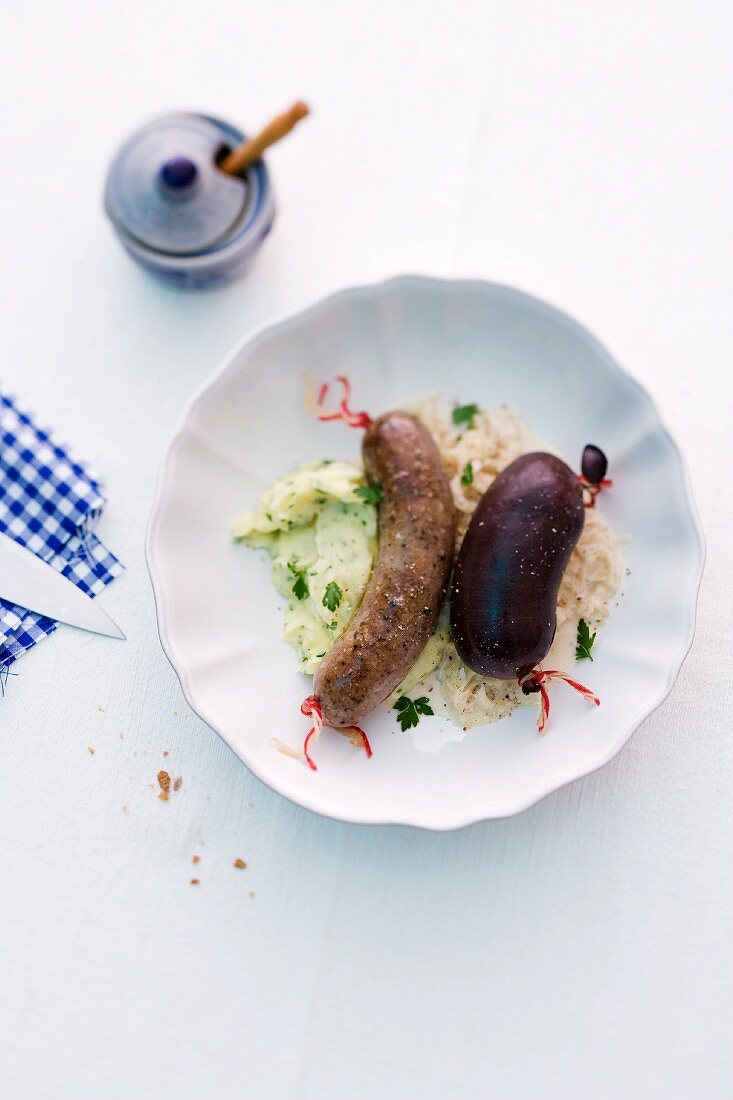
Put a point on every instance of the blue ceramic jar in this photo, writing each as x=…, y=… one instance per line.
x=176, y=213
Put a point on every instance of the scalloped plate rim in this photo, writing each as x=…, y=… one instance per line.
x=317, y=803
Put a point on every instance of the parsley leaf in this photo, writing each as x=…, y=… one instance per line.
x=463, y=415
x=370, y=494
x=332, y=596
x=467, y=475
x=585, y=641
x=300, y=584
x=409, y=710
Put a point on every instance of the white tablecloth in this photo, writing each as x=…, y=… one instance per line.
x=583, y=949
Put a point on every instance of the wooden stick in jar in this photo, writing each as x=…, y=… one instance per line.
x=236, y=162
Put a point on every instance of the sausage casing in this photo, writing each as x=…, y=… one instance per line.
x=511, y=563
x=403, y=598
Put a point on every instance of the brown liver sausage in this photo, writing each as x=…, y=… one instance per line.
x=404, y=595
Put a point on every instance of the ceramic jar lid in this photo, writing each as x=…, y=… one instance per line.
x=165, y=191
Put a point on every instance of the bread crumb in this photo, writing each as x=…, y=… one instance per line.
x=194, y=882
x=240, y=864
x=251, y=893
x=177, y=783
x=164, y=781
x=165, y=752
x=91, y=750
x=101, y=710
x=195, y=859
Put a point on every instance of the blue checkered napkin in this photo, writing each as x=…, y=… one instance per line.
x=49, y=503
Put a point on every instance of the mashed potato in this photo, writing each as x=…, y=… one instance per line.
x=322, y=539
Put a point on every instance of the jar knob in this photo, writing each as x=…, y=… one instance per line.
x=178, y=173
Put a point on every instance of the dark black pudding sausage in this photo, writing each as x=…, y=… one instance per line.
x=511, y=563
x=404, y=595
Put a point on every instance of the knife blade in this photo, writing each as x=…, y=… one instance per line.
x=29, y=582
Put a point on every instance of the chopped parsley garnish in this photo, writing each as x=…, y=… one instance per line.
x=332, y=596
x=370, y=494
x=463, y=416
x=467, y=475
x=409, y=710
x=300, y=584
x=585, y=642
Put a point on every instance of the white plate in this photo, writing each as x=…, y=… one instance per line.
x=219, y=619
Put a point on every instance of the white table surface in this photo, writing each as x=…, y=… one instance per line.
x=583, y=949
